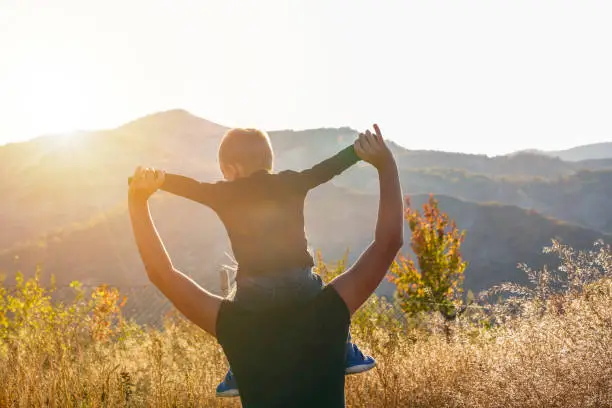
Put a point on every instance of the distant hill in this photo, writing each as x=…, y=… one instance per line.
x=63, y=200
x=594, y=151
x=102, y=250
x=586, y=152
x=49, y=183
x=584, y=197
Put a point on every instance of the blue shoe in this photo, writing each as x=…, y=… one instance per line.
x=356, y=362
x=228, y=387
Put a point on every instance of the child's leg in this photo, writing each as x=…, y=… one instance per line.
x=228, y=387
x=356, y=361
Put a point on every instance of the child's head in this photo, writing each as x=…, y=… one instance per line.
x=245, y=151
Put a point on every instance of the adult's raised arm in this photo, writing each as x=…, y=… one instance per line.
x=359, y=281
x=195, y=303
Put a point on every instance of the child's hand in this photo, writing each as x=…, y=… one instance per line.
x=145, y=182
x=372, y=148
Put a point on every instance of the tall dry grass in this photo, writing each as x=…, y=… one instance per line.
x=547, y=345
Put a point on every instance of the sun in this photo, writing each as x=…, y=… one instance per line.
x=54, y=99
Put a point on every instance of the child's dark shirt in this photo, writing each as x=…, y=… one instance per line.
x=264, y=213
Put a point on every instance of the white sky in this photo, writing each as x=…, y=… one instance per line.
x=473, y=76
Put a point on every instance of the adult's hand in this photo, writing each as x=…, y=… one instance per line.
x=371, y=147
x=144, y=183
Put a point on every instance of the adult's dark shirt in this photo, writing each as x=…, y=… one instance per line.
x=290, y=355
x=264, y=212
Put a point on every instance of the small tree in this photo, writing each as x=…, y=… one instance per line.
x=436, y=284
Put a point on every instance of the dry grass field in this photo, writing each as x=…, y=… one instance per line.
x=545, y=346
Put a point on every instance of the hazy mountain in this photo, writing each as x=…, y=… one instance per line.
x=49, y=183
x=584, y=197
x=102, y=250
x=594, y=151
x=63, y=201
x=586, y=152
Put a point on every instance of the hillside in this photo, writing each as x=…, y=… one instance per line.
x=593, y=151
x=585, y=152
x=584, y=197
x=50, y=183
x=103, y=251
x=64, y=201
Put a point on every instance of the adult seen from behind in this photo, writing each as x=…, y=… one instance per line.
x=296, y=352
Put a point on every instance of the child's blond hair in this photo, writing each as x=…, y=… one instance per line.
x=247, y=147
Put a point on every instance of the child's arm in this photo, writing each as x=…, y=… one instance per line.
x=208, y=194
x=359, y=281
x=198, y=305
x=328, y=168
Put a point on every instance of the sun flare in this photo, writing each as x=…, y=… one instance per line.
x=54, y=99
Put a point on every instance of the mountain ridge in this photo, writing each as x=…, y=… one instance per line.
x=591, y=151
x=48, y=190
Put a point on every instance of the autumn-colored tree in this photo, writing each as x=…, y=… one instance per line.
x=436, y=284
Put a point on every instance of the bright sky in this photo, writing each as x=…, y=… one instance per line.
x=474, y=76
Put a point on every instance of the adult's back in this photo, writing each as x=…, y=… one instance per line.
x=301, y=345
